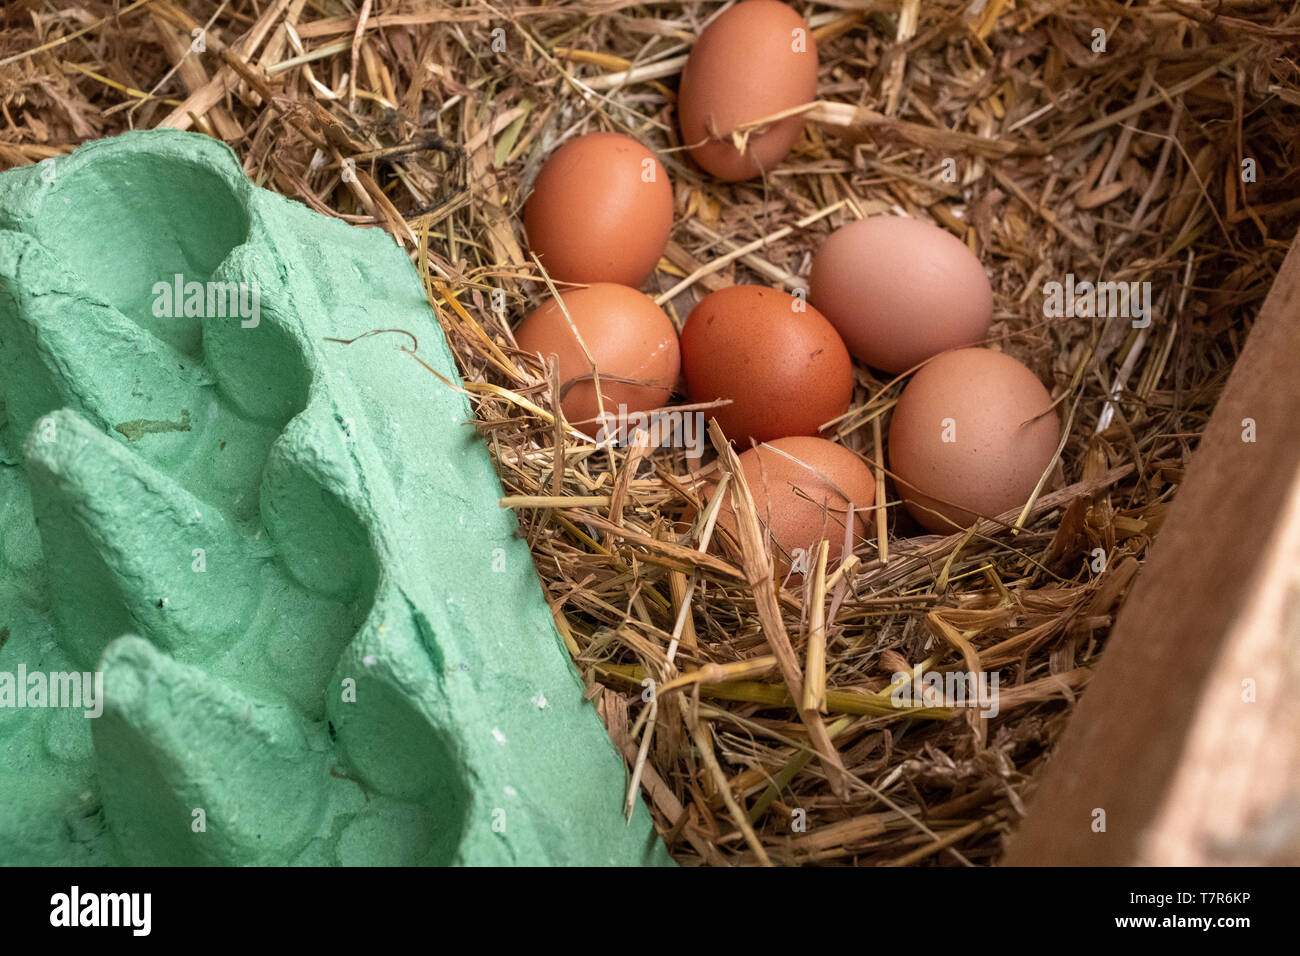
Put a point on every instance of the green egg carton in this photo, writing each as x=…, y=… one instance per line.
x=258, y=602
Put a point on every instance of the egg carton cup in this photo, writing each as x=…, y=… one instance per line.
x=266, y=543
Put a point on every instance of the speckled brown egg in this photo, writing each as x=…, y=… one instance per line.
x=755, y=60
x=777, y=358
x=600, y=211
x=630, y=339
x=802, y=487
x=900, y=291
x=971, y=435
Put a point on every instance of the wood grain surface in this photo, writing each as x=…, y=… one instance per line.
x=1188, y=765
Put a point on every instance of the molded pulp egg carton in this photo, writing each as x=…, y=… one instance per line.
x=321, y=640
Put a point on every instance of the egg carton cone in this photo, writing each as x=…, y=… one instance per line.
x=258, y=601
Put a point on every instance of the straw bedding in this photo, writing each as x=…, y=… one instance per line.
x=430, y=120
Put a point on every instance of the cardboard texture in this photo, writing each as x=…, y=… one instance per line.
x=321, y=640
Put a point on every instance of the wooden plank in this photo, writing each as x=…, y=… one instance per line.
x=1188, y=766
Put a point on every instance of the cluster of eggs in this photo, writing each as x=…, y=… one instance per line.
x=971, y=433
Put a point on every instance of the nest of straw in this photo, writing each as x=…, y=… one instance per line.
x=771, y=736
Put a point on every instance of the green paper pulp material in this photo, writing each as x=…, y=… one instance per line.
x=321, y=641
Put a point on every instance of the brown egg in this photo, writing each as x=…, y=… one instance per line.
x=632, y=342
x=802, y=487
x=600, y=211
x=756, y=59
x=775, y=356
x=900, y=291
x=972, y=433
